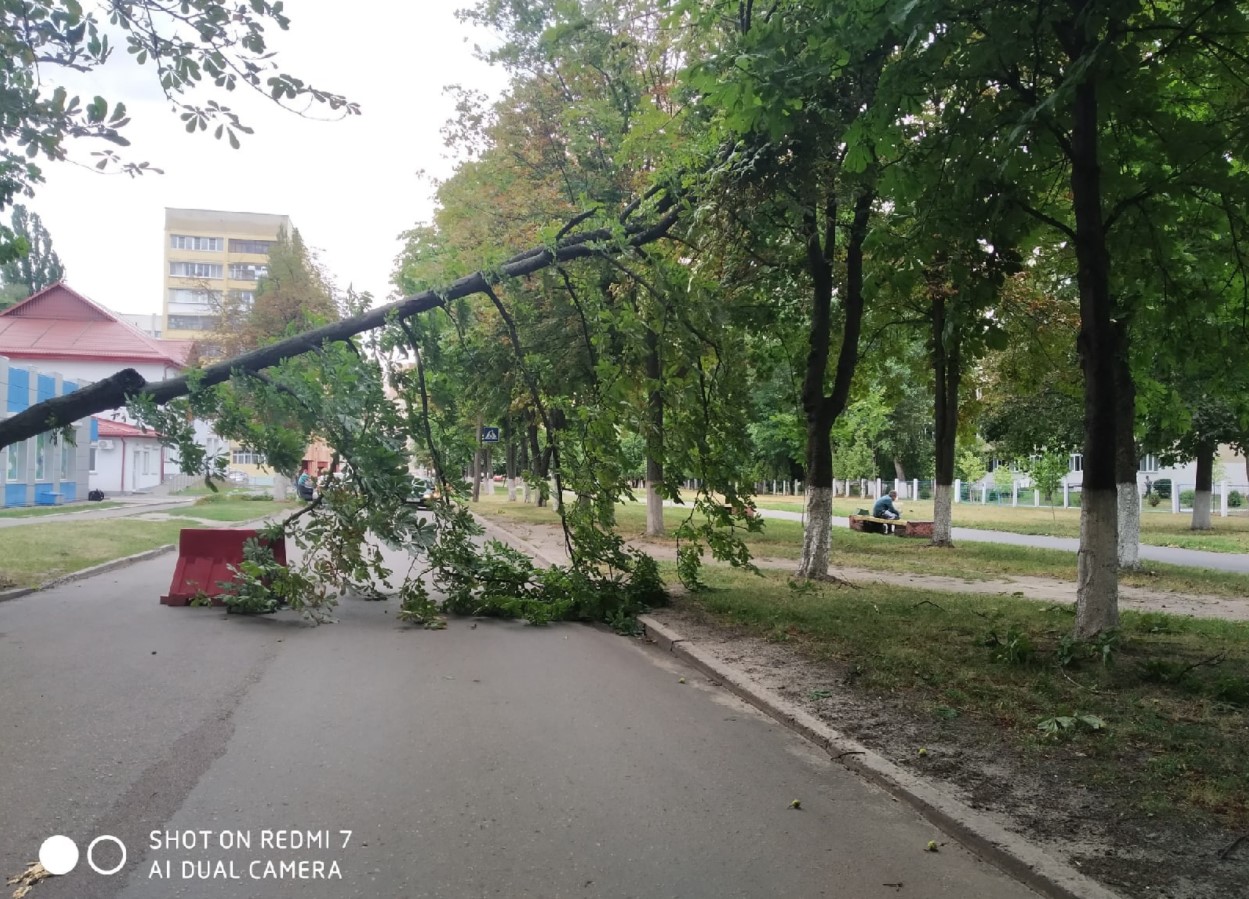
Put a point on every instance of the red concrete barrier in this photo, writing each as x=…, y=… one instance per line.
x=204, y=559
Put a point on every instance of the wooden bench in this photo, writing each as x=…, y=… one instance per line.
x=902, y=527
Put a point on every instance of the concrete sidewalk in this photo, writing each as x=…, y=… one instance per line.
x=1170, y=555
x=133, y=505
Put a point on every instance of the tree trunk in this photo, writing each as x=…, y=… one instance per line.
x=818, y=526
x=475, y=470
x=509, y=460
x=947, y=367
x=1127, y=454
x=1205, y=481
x=523, y=468
x=1097, y=590
x=898, y=471
x=654, y=438
x=821, y=410
x=541, y=460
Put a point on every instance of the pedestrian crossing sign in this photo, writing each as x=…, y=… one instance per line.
x=490, y=435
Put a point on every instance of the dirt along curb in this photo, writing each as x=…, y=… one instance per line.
x=111, y=565
x=980, y=832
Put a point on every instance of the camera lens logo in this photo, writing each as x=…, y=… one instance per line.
x=59, y=854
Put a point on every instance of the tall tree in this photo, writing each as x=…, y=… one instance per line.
x=792, y=93
x=36, y=266
x=295, y=294
x=1112, y=108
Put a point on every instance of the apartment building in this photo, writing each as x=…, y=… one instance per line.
x=212, y=258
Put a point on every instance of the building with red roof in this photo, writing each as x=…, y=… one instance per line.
x=60, y=337
x=59, y=328
x=126, y=457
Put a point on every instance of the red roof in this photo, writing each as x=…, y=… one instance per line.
x=110, y=428
x=60, y=323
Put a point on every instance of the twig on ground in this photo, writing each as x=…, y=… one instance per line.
x=1077, y=683
x=1215, y=659
x=850, y=752
x=927, y=602
x=1231, y=847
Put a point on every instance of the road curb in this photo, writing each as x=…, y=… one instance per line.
x=503, y=535
x=84, y=573
x=979, y=832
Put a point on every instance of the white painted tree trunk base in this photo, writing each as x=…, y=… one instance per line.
x=816, y=534
x=511, y=490
x=1202, y=504
x=942, y=514
x=654, y=511
x=1097, y=579
x=1129, y=525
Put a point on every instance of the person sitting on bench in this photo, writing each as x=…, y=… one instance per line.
x=885, y=509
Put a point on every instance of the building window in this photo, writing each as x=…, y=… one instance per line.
x=16, y=463
x=195, y=269
x=192, y=322
x=186, y=242
x=1077, y=462
x=246, y=457
x=1149, y=463
x=246, y=271
x=91, y=458
x=68, y=455
x=259, y=247
x=41, y=457
x=243, y=297
x=191, y=297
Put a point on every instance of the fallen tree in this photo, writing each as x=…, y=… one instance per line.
x=126, y=385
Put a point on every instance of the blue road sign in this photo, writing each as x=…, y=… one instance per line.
x=490, y=435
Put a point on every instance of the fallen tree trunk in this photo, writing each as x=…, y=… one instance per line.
x=113, y=391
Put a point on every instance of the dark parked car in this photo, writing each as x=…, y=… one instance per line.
x=423, y=493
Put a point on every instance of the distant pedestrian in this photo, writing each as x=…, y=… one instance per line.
x=884, y=508
x=1148, y=485
x=305, y=486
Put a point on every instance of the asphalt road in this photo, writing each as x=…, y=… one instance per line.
x=489, y=761
x=1168, y=554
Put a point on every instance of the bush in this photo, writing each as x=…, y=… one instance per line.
x=1163, y=488
x=1187, y=497
x=1234, y=499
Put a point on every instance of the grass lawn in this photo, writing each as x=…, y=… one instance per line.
x=1174, y=696
x=37, y=553
x=852, y=549
x=1158, y=527
x=225, y=507
x=40, y=511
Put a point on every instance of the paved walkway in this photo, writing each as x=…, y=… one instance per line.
x=1169, y=554
x=136, y=504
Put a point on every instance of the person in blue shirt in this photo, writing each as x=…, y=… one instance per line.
x=884, y=508
x=305, y=486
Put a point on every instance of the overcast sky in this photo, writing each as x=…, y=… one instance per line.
x=351, y=186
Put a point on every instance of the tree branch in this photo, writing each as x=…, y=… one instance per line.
x=112, y=392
